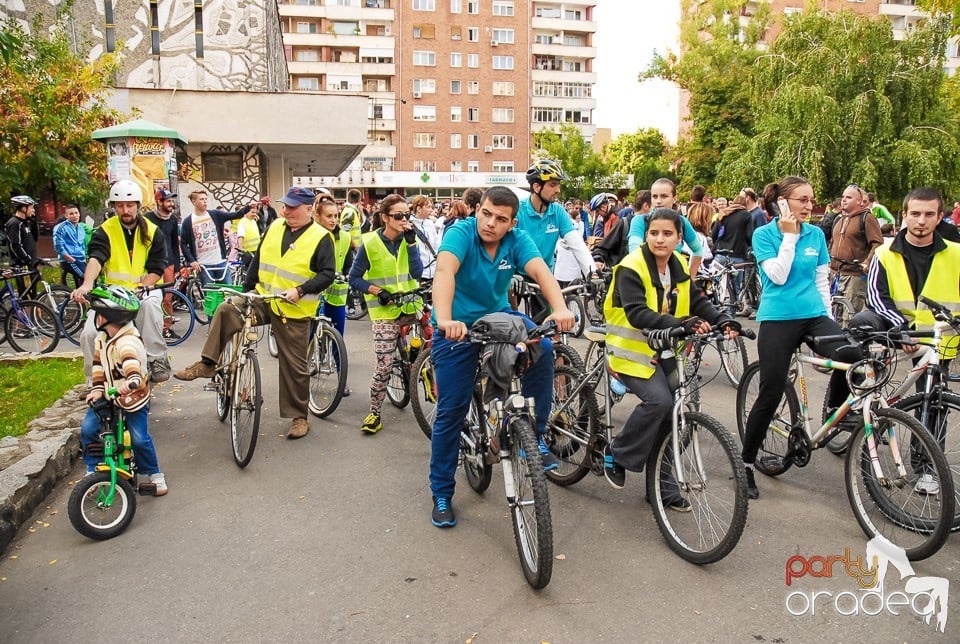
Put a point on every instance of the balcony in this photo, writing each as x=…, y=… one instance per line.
x=335, y=12
x=382, y=125
x=588, y=130
x=561, y=24
x=563, y=102
x=557, y=76
x=315, y=67
x=338, y=41
x=904, y=9
x=564, y=51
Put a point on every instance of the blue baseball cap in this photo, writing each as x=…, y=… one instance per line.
x=297, y=196
x=165, y=194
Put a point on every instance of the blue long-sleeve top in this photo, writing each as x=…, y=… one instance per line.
x=361, y=263
x=638, y=235
x=69, y=239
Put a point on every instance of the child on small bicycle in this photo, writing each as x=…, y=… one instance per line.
x=120, y=362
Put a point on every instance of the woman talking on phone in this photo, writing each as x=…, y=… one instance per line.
x=794, y=271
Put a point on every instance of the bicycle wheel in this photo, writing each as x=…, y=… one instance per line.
x=398, y=385
x=771, y=459
x=71, y=317
x=88, y=514
x=5, y=307
x=566, y=355
x=943, y=424
x=32, y=328
x=179, y=325
x=245, y=408
x=530, y=504
x=892, y=503
x=841, y=309
x=272, y=347
x=713, y=491
x=576, y=306
x=570, y=429
x=423, y=401
x=356, y=305
x=328, y=379
x=733, y=357
x=221, y=382
x=56, y=297
x=473, y=447
x=194, y=293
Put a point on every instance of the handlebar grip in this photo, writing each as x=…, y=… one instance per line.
x=936, y=306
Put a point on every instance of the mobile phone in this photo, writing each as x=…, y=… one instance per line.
x=783, y=206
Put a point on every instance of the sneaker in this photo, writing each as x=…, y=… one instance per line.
x=678, y=505
x=160, y=370
x=371, y=424
x=927, y=484
x=298, y=428
x=612, y=471
x=346, y=392
x=198, y=369
x=170, y=334
x=547, y=458
x=443, y=516
x=752, y=491
x=161, y=483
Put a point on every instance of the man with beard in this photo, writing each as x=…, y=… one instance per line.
x=168, y=227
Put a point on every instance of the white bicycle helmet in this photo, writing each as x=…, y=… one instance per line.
x=23, y=200
x=125, y=190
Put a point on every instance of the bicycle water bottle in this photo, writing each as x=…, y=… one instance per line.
x=413, y=349
x=126, y=445
x=617, y=388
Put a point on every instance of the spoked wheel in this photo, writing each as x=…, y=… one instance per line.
x=33, y=328
x=178, y=323
x=195, y=295
x=473, y=452
x=327, y=363
x=272, y=347
x=530, y=507
x=398, y=385
x=841, y=309
x=71, y=317
x=423, y=400
x=565, y=355
x=702, y=517
x=899, y=501
x=356, y=305
x=89, y=513
x=573, y=416
x=576, y=306
x=245, y=408
x=692, y=359
x=733, y=357
x=772, y=457
x=222, y=382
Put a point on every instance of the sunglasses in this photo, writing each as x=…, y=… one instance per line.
x=399, y=216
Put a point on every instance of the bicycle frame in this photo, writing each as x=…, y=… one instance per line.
x=116, y=454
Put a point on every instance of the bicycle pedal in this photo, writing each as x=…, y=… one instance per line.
x=147, y=489
x=210, y=386
x=94, y=449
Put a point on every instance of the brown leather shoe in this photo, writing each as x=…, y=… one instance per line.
x=196, y=370
x=298, y=428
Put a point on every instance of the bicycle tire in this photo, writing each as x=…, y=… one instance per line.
x=423, y=400
x=34, y=329
x=733, y=358
x=194, y=293
x=946, y=431
x=88, y=516
x=841, y=309
x=181, y=326
x=356, y=305
x=70, y=318
x=247, y=400
x=272, y=348
x=715, y=489
x=476, y=469
x=327, y=378
x=564, y=354
x=530, y=507
x=398, y=383
x=56, y=297
x=915, y=521
x=771, y=459
x=838, y=444
x=222, y=382
x=576, y=306
x=571, y=429
x=4, y=311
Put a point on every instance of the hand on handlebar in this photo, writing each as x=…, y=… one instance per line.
x=731, y=329
x=384, y=297
x=695, y=324
x=452, y=329
x=563, y=318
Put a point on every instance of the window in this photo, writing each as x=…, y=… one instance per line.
x=456, y=141
x=502, y=8
x=473, y=166
x=456, y=32
x=473, y=141
x=455, y=87
x=503, y=88
x=503, y=62
x=424, y=140
x=572, y=66
x=473, y=87
x=547, y=12
x=473, y=34
x=308, y=83
x=547, y=114
x=565, y=90
x=574, y=40
x=222, y=166
x=425, y=85
x=424, y=5
x=502, y=142
x=570, y=14
x=473, y=6
x=306, y=27
x=425, y=58
x=425, y=166
x=154, y=28
x=307, y=55
x=473, y=114
x=306, y=3
x=198, y=26
x=576, y=116
x=424, y=113
x=109, y=34
x=456, y=59
x=502, y=36
x=502, y=166
x=456, y=6
x=456, y=113
x=473, y=60
x=502, y=115
x=456, y=166
x=343, y=28
x=425, y=31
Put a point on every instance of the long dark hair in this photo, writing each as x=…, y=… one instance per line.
x=388, y=202
x=667, y=214
x=783, y=188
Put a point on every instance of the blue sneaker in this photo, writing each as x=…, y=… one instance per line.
x=547, y=458
x=443, y=516
x=612, y=471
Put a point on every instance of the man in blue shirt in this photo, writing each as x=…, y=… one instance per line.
x=70, y=244
x=475, y=264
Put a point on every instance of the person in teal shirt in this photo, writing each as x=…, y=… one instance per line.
x=663, y=194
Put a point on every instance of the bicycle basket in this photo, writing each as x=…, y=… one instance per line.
x=213, y=299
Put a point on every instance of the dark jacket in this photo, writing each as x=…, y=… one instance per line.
x=734, y=232
x=100, y=250
x=170, y=231
x=187, y=243
x=614, y=247
x=21, y=242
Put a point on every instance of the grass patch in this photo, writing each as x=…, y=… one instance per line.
x=29, y=387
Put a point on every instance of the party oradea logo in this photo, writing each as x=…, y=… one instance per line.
x=873, y=592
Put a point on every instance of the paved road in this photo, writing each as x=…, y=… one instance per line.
x=329, y=539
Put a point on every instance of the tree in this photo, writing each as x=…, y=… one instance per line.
x=585, y=167
x=948, y=8
x=839, y=101
x=641, y=154
x=50, y=102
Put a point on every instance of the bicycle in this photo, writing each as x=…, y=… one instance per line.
x=698, y=453
x=356, y=305
x=500, y=427
x=102, y=505
x=327, y=362
x=717, y=282
x=412, y=338
x=36, y=289
x=887, y=453
x=28, y=325
x=526, y=293
x=237, y=380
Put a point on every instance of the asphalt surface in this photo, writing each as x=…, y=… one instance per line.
x=329, y=539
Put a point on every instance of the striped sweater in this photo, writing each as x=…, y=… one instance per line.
x=118, y=358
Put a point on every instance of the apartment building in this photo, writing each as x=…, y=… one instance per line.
x=456, y=88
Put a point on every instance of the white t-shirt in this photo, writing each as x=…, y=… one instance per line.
x=205, y=239
x=429, y=229
x=566, y=268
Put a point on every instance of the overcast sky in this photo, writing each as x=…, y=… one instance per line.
x=628, y=32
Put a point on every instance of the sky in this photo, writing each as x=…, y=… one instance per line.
x=628, y=33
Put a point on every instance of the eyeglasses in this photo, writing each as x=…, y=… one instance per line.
x=399, y=216
x=806, y=201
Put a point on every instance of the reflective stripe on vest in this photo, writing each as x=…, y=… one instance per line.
x=942, y=285
x=385, y=272
x=336, y=293
x=296, y=267
x=120, y=268
x=627, y=348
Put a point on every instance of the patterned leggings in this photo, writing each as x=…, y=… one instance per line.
x=384, y=342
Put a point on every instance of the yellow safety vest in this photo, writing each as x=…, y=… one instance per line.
x=389, y=273
x=942, y=285
x=336, y=293
x=122, y=267
x=281, y=271
x=627, y=348
x=350, y=221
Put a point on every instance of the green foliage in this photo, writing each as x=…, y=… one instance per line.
x=642, y=154
x=947, y=8
x=587, y=171
x=29, y=387
x=50, y=102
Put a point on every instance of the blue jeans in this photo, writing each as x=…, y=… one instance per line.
x=143, y=449
x=338, y=317
x=455, y=368
x=216, y=274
